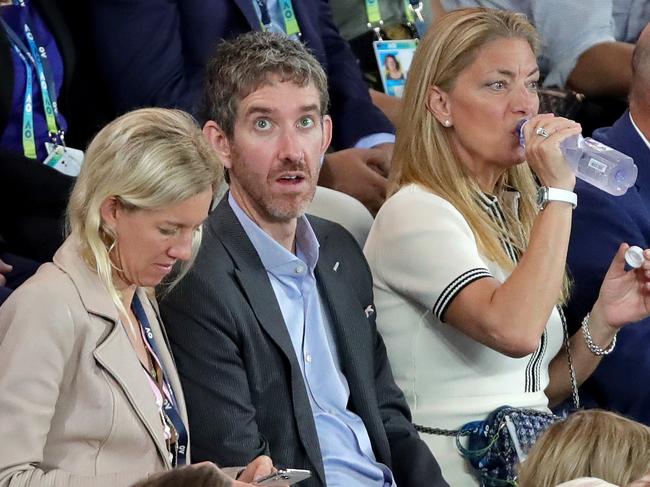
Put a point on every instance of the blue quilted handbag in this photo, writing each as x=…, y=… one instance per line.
x=496, y=445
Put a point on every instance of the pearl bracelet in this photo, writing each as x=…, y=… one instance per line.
x=593, y=348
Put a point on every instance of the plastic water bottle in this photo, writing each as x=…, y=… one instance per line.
x=596, y=163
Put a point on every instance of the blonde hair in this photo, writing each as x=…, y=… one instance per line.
x=148, y=159
x=590, y=443
x=423, y=151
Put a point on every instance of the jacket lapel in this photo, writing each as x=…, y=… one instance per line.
x=246, y=7
x=624, y=137
x=345, y=311
x=115, y=352
x=260, y=295
x=251, y=275
x=634, y=146
x=354, y=337
x=110, y=354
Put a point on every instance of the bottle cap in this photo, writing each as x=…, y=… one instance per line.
x=634, y=256
x=520, y=131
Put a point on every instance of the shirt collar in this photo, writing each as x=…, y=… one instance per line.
x=509, y=198
x=272, y=254
x=643, y=137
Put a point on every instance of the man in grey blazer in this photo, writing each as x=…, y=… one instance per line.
x=274, y=329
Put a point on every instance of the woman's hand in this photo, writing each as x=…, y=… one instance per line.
x=544, y=155
x=624, y=295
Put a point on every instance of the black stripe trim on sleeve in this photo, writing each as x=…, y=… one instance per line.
x=538, y=365
x=532, y=378
x=454, y=287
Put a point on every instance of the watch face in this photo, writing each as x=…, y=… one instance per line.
x=542, y=196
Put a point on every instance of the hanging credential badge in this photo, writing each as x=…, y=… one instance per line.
x=64, y=159
x=394, y=61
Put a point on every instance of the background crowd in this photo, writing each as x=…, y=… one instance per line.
x=369, y=274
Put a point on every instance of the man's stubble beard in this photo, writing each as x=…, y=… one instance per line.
x=265, y=200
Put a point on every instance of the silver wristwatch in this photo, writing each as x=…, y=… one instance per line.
x=546, y=194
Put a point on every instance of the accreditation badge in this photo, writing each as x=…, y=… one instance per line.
x=66, y=160
x=394, y=59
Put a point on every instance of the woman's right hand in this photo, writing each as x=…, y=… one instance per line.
x=544, y=155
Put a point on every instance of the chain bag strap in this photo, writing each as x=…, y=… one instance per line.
x=497, y=444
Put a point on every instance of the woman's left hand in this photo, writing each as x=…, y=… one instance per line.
x=625, y=295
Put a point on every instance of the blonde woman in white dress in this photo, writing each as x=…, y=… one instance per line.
x=468, y=271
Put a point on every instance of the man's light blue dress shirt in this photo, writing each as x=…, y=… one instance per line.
x=347, y=454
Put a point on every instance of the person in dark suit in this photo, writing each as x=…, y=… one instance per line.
x=600, y=223
x=275, y=326
x=154, y=52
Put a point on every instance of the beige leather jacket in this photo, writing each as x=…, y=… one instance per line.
x=75, y=405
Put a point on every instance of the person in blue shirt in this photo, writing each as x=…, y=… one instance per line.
x=275, y=326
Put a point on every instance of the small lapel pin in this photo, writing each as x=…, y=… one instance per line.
x=336, y=266
x=369, y=310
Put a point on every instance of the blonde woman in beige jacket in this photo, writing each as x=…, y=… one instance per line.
x=89, y=394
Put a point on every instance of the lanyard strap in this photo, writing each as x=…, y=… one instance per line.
x=39, y=55
x=373, y=12
x=38, y=58
x=169, y=403
x=291, y=27
x=35, y=56
x=290, y=23
x=413, y=10
x=29, y=141
x=41, y=50
x=375, y=22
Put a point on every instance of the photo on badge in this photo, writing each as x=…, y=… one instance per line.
x=394, y=61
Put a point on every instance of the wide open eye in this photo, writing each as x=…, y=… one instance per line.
x=307, y=122
x=262, y=124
